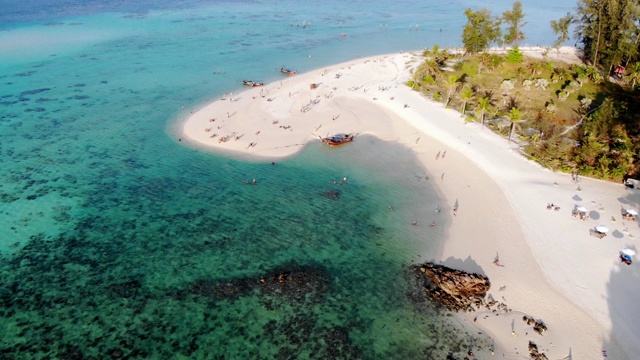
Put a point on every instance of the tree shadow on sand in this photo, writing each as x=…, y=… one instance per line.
x=622, y=294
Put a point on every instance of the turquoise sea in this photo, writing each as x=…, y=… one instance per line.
x=116, y=241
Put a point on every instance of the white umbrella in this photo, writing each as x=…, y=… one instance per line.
x=631, y=212
x=581, y=209
x=628, y=252
x=602, y=228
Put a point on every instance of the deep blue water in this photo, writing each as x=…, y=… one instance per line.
x=117, y=241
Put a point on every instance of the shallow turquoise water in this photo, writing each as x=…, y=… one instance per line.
x=118, y=241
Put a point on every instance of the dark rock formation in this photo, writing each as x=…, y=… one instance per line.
x=534, y=353
x=455, y=289
x=538, y=325
x=332, y=194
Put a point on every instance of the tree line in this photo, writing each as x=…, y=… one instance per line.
x=605, y=137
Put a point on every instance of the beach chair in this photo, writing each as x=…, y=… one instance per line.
x=625, y=259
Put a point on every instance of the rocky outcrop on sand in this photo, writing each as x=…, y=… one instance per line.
x=455, y=289
x=536, y=354
x=538, y=325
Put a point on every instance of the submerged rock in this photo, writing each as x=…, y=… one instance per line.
x=332, y=194
x=294, y=283
x=455, y=289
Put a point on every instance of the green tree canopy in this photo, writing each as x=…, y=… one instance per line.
x=480, y=30
x=513, y=19
x=609, y=30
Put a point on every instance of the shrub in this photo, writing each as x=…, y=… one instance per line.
x=515, y=56
x=429, y=80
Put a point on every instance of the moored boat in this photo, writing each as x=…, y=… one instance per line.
x=337, y=139
x=288, y=71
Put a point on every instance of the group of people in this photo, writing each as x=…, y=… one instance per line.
x=552, y=206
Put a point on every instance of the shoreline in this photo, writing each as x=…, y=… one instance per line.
x=498, y=191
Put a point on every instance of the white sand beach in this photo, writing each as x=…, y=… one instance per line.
x=554, y=270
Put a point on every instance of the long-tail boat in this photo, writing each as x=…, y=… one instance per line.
x=337, y=139
x=288, y=71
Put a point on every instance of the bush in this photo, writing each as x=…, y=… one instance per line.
x=429, y=80
x=470, y=68
x=515, y=56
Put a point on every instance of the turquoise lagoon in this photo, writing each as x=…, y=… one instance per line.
x=118, y=242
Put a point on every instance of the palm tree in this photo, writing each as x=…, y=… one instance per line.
x=560, y=74
x=536, y=67
x=435, y=49
x=466, y=95
x=430, y=65
x=516, y=118
x=560, y=27
x=451, y=83
x=633, y=74
x=484, y=104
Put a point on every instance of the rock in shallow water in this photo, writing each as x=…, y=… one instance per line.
x=455, y=289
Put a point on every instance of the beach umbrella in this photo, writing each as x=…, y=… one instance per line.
x=628, y=252
x=602, y=229
x=631, y=212
x=581, y=209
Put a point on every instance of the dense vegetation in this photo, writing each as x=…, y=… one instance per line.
x=570, y=117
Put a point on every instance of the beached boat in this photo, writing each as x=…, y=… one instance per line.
x=337, y=139
x=287, y=71
x=252, y=83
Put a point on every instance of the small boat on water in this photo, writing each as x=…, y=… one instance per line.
x=288, y=71
x=338, y=139
x=252, y=83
